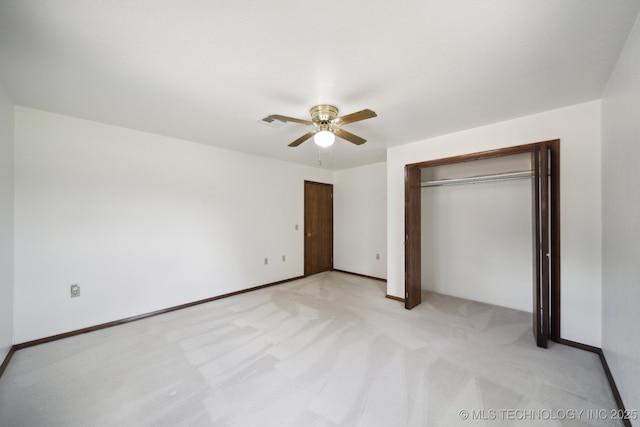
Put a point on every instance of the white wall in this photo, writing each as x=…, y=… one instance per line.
x=578, y=127
x=6, y=223
x=621, y=224
x=360, y=220
x=479, y=231
x=142, y=222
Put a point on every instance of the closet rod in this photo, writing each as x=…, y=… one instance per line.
x=477, y=179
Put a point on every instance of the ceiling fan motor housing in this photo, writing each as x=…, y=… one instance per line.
x=325, y=118
x=323, y=115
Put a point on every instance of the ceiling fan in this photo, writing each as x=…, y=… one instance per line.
x=327, y=125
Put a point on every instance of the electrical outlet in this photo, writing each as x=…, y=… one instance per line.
x=75, y=290
x=266, y=261
x=284, y=258
x=296, y=227
x=377, y=256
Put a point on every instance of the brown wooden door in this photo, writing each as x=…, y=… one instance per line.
x=541, y=284
x=318, y=227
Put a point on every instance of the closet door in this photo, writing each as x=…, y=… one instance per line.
x=541, y=285
x=412, y=244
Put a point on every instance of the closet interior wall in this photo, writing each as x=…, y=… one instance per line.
x=476, y=236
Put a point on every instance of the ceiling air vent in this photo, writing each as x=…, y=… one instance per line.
x=271, y=122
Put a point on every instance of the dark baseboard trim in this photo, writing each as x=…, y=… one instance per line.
x=143, y=316
x=607, y=371
x=360, y=275
x=614, y=387
x=16, y=347
x=7, y=358
x=579, y=345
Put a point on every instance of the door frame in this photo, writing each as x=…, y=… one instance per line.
x=412, y=246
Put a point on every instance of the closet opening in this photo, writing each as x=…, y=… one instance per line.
x=484, y=226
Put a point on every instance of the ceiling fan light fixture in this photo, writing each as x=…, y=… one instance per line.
x=326, y=125
x=324, y=138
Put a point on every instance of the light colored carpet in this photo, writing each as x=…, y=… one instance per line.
x=326, y=350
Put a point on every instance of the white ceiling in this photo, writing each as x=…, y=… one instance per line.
x=208, y=71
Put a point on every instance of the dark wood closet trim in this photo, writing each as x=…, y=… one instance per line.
x=145, y=315
x=360, y=275
x=412, y=221
x=500, y=152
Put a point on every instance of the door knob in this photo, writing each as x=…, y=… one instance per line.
x=308, y=234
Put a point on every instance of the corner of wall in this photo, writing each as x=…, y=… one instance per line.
x=7, y=338
x=620, y=228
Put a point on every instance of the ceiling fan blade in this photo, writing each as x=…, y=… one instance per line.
x=289, y=119
x=302, y=139
x=349, y=136
x=356, y=117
